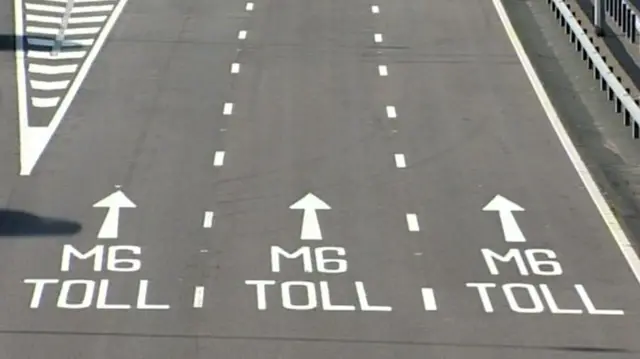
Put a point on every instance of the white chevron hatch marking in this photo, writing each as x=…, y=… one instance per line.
x=58, y=40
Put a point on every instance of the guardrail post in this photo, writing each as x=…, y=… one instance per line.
x=599, y=17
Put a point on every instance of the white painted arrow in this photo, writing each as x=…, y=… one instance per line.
x=505, y=209
x=114, y=202
x=310, y=225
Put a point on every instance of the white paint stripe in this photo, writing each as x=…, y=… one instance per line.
x=46, y=55
x=44, y=19
x=249, y=6
x=47, y=102
x=44, y=8
x=412, y=222
x=400, y=160
x=52, y=70
x=77, y=42
x=87, y=19
x=377, y=37
x=82, y=31
x=42, y=30
x=429, y=299
x=596, y=195
x=228, y=108
x=208, y=219
x=81, y=1
x=218, y=159
x=49, y=85
x=89, y=9
x=242, y=34
x=375, y=9
x=382, y=69
x=54, y=31
x=235, y=68
x=391, y=112
x=198, y=297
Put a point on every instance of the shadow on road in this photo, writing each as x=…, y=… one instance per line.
x=8, y=42
x=22, y=224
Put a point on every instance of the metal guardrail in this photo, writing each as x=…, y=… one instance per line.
x=620, y=96
x=625, y=16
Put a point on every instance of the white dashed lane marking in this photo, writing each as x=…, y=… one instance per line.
x=242, y=34
x=429, y=299
x=208, y=219
x=218, y=159
x=391, y=112
x=412, y=222
x=228, y=108
x=198, y=297
x=377, y=38
x=375, y=9
x=400, y=160
x=382, y=70
x=235, y=68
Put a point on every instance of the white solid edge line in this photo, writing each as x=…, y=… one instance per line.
x=208, y=219
x=587, y=179
x=198, y=297
x=412, y=222
x=218, y=159
x=400, y=160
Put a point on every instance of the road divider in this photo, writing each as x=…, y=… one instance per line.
x=623, y=101
x=625, y=16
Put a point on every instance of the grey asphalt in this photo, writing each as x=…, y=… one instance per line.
x=309, y=116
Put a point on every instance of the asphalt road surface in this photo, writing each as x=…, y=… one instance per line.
x=387, y=126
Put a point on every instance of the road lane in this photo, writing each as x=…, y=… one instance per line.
x=148, y=117
x=468, y=125
x=406, y=162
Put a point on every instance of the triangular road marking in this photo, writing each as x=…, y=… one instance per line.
x=50, y=69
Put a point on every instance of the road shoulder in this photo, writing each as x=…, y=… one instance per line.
x=596, y=130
